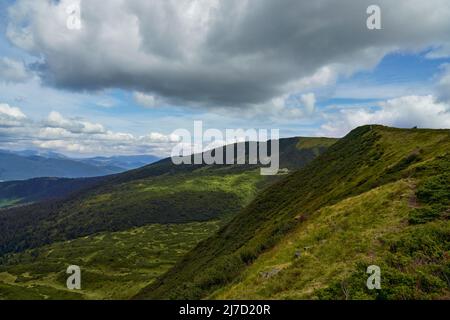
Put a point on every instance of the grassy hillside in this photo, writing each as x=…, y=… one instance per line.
x=114, y=265
x=373, y=168
x=326, y=256
x=163, y=199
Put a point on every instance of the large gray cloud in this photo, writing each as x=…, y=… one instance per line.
x=218, y=53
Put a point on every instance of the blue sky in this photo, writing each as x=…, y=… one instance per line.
x=322, y=96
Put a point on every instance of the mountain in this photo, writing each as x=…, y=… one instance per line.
x=293, y=155
x=41, y=189
x=379, y=196
x=39, y=153
x=122, y=162
x=128, y=228
x=28, y=164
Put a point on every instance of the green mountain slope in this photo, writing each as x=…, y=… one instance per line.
x=372, y=168
x=115, y=265
x=326, y=256
x=40, y=189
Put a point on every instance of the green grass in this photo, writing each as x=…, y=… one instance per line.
x=241, y=184
x=367, y=158
x=315, y=144
x=113, y=265
x=326, y=256
x=181, y=198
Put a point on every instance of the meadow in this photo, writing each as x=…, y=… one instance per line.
x=114, y=265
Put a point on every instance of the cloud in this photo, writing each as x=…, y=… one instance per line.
x=439, y=52
x=76, y=136
x=443, y=85
x=106, y=103
x=404, y=112
x=284, y=108
x=210, y=53
x=54, y=133
x=12, y=70
x=62, y=145
x=56, y=120
x=145, y=100
x=309, y=102
x=159, y=137
x=11, y=116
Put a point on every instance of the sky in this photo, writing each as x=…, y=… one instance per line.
x=127, y=74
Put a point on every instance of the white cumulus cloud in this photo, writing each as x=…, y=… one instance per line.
x=56, y=120
x=11, y=116
x=404, y=112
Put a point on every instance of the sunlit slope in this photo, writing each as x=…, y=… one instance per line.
x=327, y=255
x=369, y=157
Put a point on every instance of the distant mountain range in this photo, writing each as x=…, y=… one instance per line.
x=27, y=164
x=122, y=162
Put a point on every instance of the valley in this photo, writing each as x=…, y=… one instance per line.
x=115, y=265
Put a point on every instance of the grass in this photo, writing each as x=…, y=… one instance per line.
x=242, y=184
x=181, y=198
x=368, y=158
x=315, y=143
x=319, y=258
x=113, y=265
